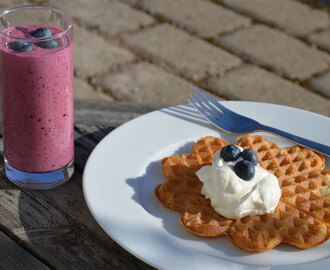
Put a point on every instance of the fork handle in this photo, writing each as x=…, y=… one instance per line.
x=318, y=147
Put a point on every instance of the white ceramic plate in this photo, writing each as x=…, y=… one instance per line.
x=124, y=168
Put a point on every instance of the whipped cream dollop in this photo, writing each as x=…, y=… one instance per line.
x=235, y=198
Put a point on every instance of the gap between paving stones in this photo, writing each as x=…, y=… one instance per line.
x=139, y=58
x=84, y=90
x=190, y=16
x=254, y=20
x=290, y=16
x=162, y=19
x=303, y=83
x=321, y=84
x=255, y=84
x=159, y=19
x=316, y=5
x=246, y=60
x=145, y=57
x=306, y=83
x=161, y=66
x=222, y=60
x=200, y=83
x=145, y=82
x=97, y=61
x=312, y=44
x=278, y=50
x=320, y=39
x=110, y=17
x=258, y=21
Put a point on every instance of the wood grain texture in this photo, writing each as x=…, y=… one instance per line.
x=108, y=113
x=55, y=226
x=14, y=257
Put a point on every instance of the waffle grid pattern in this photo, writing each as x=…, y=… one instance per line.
x=300, y=219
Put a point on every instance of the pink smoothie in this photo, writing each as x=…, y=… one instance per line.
x=37, y=103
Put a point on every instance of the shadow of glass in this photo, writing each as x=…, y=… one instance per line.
x=57, y=225
x=84, y=145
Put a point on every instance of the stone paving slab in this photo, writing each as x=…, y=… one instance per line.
x=321, y=38
x=255, y=84
x=205, y=18
x=191, y=57
x=292, y=16
x=146, y=83
x=276, y=50
x=111, y=17
x=94, y=55
x=82, y=90
x=100, y=57
x=321, y=84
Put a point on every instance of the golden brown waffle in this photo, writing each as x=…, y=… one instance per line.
x=282, y=162
x=298, y=172
x=309, y=193
x=182, y=191
x=286, y=225
x=300, y=218
x=198, y=216
x=185, y=166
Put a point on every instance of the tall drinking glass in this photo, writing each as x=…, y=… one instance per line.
x=36, y=84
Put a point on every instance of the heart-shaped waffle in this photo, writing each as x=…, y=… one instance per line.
x=300, y=218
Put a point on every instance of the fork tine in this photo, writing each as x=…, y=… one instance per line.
x=206, y=115
x=214, y=102
x=209, y=103
x=206, y=106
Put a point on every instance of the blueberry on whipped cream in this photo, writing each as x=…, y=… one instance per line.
x=244, y=169
x=247, y=190
x=250, y=155
x=230, y=152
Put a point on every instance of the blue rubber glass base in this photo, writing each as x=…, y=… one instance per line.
x=45, y=180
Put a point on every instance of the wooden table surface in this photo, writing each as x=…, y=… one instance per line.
x=53, y=229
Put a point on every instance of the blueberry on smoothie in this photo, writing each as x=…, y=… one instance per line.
x=48, y=44
x=244, y=169
x=230, y=152
x=21, y=46
x=250, y=155
x=41, y=32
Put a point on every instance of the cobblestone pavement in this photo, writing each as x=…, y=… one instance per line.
x=158, y=51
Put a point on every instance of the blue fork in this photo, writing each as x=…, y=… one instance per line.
x=235, y=123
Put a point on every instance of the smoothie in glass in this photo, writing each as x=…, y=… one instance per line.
x=37, y=102
x=36, y=87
